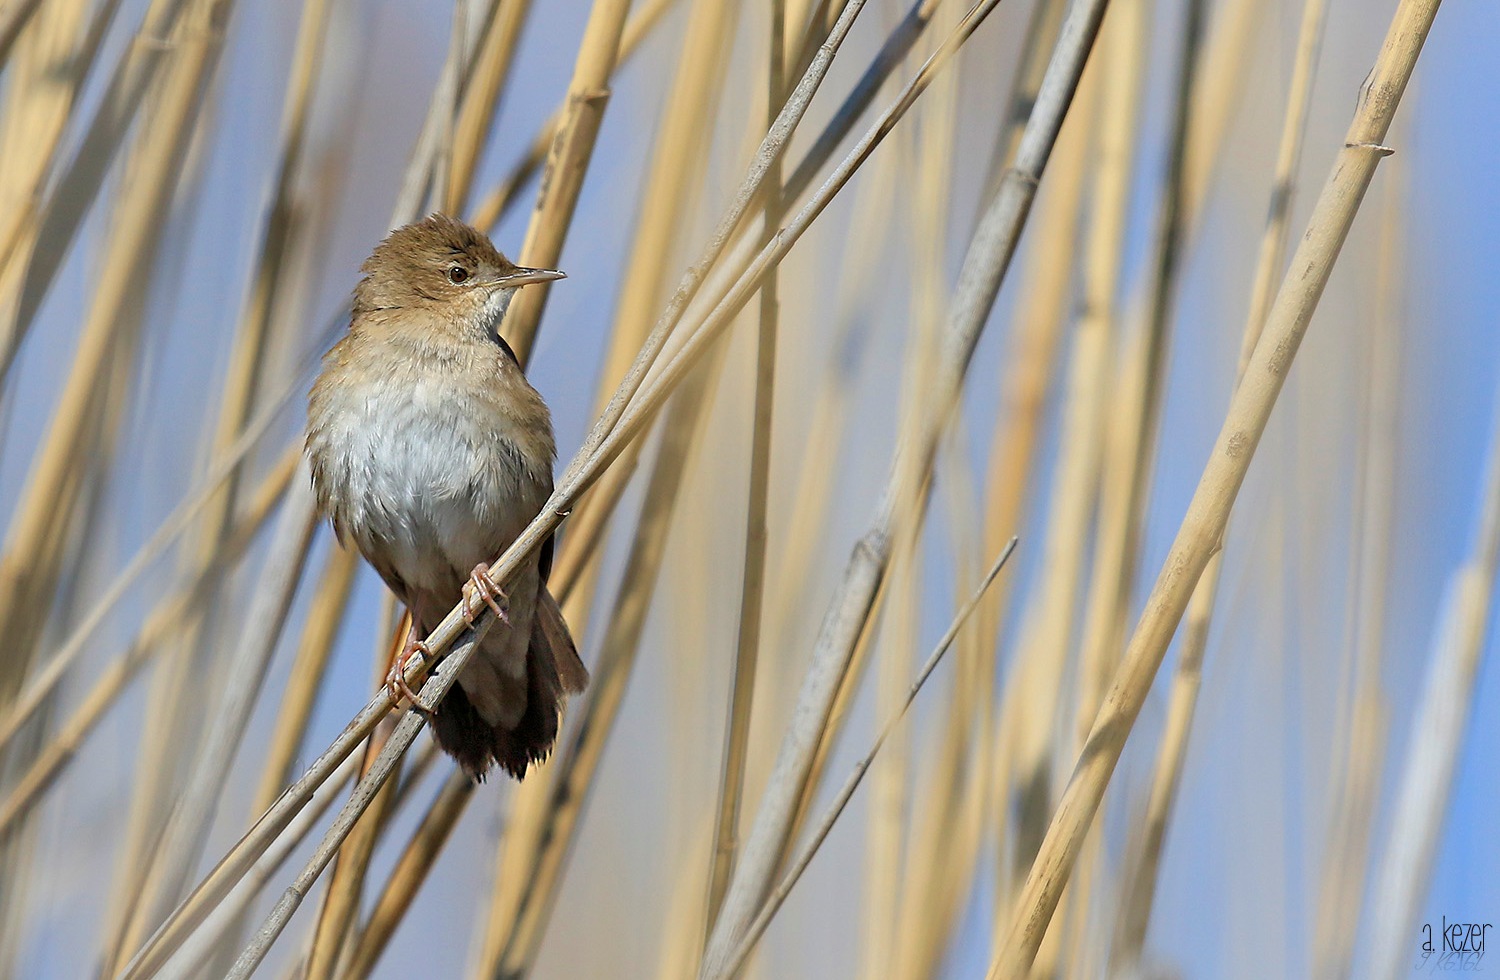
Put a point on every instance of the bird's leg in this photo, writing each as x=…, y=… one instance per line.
x=395, y=680
x=481, y=587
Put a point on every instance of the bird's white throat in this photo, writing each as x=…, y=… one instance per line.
x=495, y=306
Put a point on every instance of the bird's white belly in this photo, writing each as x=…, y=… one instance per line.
x=426, y=485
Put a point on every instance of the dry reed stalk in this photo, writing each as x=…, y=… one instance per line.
x=325, y=615
x=210, y=892
x=1030, y=357
x=812, y=500
x=736, y=959
x=75, y=189
x=13, y=20
x=139, y=219
x=885, y=839
x=326, y=610
x=476, y=109
x=41, y=685
x=567, y=164
x=532, y=859
x=1044, y=641
x=186, y=833
x=505, y=193
x=1223, y=76
x=1027, y=371
x=1140, y=884
x=1128, y=472
x=363, y=796
x=1437, y=736
x=984, y=267
x=949, y=824
x=599, y=503
x=891, y=50
x=1358, y=775
x=1045, y=645
x=672, y=189
x=886, y=842
x=112, y=331
x=898, y=44
x=692, y=280
x=1031, y=65
x=1131, y=454
x=935, y=877
x=254, y=336
x=752, y=589
x=1204, y=522
x=424, y=182
x=885, y=61
x=333, y=931
x=42, y=85
x=678, y=164
x=191, y=959
x=223, y=926
x=172, y=721
x=400, y=890
x=682, y=925
x=1212, y=105
x=160, y=625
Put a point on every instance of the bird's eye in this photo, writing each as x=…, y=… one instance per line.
x=458, y=275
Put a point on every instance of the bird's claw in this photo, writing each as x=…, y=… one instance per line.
x=481, y=587
x=395, y=681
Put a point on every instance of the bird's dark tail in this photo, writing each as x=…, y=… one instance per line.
x=553, y=671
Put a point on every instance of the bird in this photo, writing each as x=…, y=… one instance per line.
x=431, y=452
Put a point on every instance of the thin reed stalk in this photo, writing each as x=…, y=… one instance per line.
x=505, y=193
x=411, y=869
x=1359, y=773
x=1208, y=512
x=531, y=863
x=752, y=588
x=984, y=267
x=186, y=832
x=60, y=749
x=481, y=96
x=805, y=855
x=1135, y=910
x=567, y=164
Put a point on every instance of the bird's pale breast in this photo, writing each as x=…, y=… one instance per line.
x=422, y=474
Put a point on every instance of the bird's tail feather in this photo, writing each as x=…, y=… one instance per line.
x=553, y=671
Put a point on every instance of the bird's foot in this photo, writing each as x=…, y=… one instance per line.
x=395, y=681
x=481, y=588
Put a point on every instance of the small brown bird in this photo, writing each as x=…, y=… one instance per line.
x=431, y=452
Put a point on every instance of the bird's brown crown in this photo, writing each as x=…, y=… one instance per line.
x=433, y=261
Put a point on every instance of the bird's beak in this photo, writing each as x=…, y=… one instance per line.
x=525, y=277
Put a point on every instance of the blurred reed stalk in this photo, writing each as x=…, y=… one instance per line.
x=1203, y=526
x=1425, y=782
x=1140, y=881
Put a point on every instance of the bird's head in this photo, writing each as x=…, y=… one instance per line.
x=442, y=264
